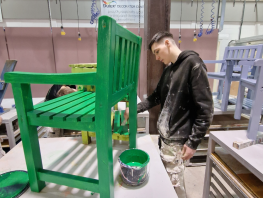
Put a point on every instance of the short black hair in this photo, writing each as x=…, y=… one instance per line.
x=158, y=36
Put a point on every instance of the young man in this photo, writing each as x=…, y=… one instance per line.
x=59, y=90
x=186, y=105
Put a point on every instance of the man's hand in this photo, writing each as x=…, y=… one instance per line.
x=126, y=114
x=187, y=153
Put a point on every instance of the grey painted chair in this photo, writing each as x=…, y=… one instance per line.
x=228, y=68
x=256, y=85
x=9, y=66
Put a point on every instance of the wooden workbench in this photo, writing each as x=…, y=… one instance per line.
x=69, y=155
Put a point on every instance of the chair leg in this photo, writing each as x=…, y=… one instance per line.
x=239, y=103
x=227, y=84
x=255, y=114
x=133, y=118
x=220, y=90
x=104, y=153
x=29, y=135
x=86, y=139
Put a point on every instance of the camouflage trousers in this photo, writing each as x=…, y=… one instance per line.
x=174, y=165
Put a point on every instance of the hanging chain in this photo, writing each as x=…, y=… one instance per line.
x=60, y=12
x=196, y=15
x=139, y=17
x=77, y=13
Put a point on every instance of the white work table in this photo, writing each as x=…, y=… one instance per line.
x=9, y=116
x=250, y=157
x=69, y=155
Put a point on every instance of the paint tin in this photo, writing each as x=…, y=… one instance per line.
x=134, y=164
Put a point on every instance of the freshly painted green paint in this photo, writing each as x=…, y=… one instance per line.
x=85, y=111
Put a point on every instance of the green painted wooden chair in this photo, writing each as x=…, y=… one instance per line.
x=118, y=59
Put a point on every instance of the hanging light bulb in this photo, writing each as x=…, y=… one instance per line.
x=62, y=31
x=179, y=41
x=195, y=39
x=79, y=36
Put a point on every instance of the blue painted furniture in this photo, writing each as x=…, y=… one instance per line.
x=256, y=85
x=227, y=72
x=9, y=66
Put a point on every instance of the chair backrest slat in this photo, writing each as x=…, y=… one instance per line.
x=117, y=64
x=240, y=53
x=252, y=53
x=131, y=63
x=117, y=60
x=235, y=53
x=122, y=65
x=126, y=73
x=246, y=53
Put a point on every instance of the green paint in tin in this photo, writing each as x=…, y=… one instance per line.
x=135, y=157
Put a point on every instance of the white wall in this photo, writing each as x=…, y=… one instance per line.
x=34, y=13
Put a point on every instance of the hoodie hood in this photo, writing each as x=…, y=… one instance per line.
x=185, y=54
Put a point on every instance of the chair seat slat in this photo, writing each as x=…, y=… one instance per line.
x=67, y=106
x=37, y=106
x=62, y=116
x=77, y=115
x=63, y=102
x=89, y=117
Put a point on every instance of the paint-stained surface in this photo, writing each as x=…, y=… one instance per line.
x=186, y=100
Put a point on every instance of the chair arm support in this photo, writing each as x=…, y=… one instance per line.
x=50, y=78
x=214, y=61
x=257, y=62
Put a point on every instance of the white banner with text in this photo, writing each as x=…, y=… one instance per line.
x=123, y=11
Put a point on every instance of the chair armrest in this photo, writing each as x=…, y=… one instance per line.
x=49, y=78
x=257, y=62
x=214, y=61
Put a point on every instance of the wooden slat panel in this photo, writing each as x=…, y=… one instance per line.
x=218, y=193
x=125, y=127
x=63, y=102
x=230, y=55
x=246, y=53
x=222, y=186
x=117, y=122
x=77, y=115
x=252, y=53
x=134, y=63
x=126, y=64
x=62, y=116
x=39, y=111
x=44, y=109
x=67, y=106
x=117, y=64
x=37, y=106
x=130, y=64
x=236, y=53
x=240, y=53
x=123, y=56
x=90, y=117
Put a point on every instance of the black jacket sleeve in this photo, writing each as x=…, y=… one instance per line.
x=203, y=101
x=151, y=101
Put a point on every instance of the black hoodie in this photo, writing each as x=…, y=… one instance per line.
x=186, y=100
